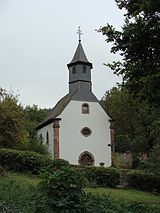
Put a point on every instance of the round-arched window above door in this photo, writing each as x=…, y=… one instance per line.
x=86, y=159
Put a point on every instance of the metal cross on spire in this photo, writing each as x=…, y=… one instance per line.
x=79, y=33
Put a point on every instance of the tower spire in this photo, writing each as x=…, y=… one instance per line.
x=79, y=31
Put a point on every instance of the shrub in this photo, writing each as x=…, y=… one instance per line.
x=144, y=181
x=101, y=176
x=53, y=166
x=2, y=171
x=58, y=164
x=99, y=204
x=23, y=161
x=62, y=191
x=36, y=145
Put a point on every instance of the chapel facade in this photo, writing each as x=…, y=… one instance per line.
x=77, y=129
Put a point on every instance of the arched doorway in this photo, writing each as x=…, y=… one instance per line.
x=86, y=159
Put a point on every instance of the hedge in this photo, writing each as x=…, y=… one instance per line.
x=101, y=176
x=23, y=161
x=144, y=181
x=27, y=161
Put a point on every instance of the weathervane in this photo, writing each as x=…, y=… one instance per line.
x=79, y=33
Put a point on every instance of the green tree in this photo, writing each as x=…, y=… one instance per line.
x=118, y=106
x=34, y=116
x=135, y=129
x=139, y=46
x=154, y=160
x=12, y=121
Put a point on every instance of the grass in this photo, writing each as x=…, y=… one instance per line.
x=128, y=195
x=118, y=193
x=16, y=194
x=26, y=179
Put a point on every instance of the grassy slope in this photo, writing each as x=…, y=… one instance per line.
x=23, y=178
x=124, y=194
x=128, y=195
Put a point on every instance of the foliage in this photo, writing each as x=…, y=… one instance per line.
x=23, y=161
x=136, y=127
x=127, y=195
x=2, y=171
x=12, y=122
x=27, y=179
x=117, y=104
x=107, y=203
x=33, y=199
x=17, y=124
x=62, y=191
x=36, y=145
x=153, y=161
x=33, y=116
x=58, y=164
x=138, y=43
x=144, y=181
x=53, y=166
x=101, y=176
x=16, y=198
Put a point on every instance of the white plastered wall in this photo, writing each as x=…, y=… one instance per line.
x=73, y=143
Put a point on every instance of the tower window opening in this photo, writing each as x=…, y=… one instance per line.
x=85, y=108
x=84, y=69
x=74, y=70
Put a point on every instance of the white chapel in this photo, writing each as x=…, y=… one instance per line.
x=77, y=129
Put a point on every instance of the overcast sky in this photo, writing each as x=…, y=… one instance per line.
x=38, y=39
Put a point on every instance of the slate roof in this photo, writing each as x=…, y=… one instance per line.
x=62, y=103
x=56, y=111
x=79, y=56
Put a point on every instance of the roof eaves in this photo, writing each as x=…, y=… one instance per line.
x=47, y=122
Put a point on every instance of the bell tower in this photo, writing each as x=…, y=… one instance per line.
x=80, y=72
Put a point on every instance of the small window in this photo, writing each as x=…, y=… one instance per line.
x=74, y=70
x=84, y=69
x=85, y=108
x=47, y=138
x=86, y=131
x=41, y=138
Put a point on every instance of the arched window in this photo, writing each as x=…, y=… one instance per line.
x=74, y=70
x=85, y=108
x=47, y=138
x=84, y=69
x=41, y=138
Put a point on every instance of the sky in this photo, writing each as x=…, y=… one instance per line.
x=38, y=39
